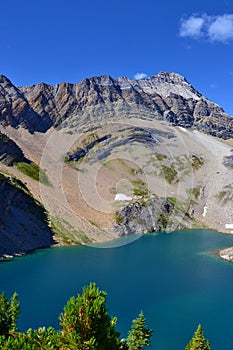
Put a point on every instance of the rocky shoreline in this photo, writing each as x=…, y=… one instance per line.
x=226, y=254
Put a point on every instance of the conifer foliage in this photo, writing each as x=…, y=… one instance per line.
x=9, y=312
x=139, y=335
x=198, y=342
x=85, y=325
x=85, y=322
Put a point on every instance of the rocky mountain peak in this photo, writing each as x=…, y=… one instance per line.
x=166, y=84
x=172, y=78
x=7, y=88
x=102, y=80
x=4, y=80
x=165, y=96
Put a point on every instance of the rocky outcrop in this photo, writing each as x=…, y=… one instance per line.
x=228, y=160
x=166, y=96
x=82, y=152
x=109, y=143
x=226, y=254
x=23, y=222
x=9, y=151
x=140, y=218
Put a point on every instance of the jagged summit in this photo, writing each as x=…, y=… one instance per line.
x=165, y=96
x=171, y=77
x=4, y=79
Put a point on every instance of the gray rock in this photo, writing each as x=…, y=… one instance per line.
x=228, y=160
x=23, y=222
x=9, y=151
x=166, y=96
x=138, y=218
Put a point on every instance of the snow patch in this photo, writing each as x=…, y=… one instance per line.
x=230, y=226
x=183, y=129
x=122, y=197
x=204, y=211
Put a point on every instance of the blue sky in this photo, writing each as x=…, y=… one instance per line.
x=68, y=40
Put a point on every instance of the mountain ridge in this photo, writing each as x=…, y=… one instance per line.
x=167, y=96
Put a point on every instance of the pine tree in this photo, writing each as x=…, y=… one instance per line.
x=85, y=323
x=9, y=312
x=198, y=342
x=139, y=336
x=39, y=339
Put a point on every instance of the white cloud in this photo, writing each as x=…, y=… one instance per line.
x=139, y=76
x=221, y=29
x=211, y=28
x=192, y=26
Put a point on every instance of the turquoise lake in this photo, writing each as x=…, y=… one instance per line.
x=174, y=278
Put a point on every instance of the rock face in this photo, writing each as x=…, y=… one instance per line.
x=9, y=151
x=166, y=96
x=23, y=223
x=228, y=160
x=16, y=110
x=138, y=218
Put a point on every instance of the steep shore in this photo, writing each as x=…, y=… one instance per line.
x=23, y=222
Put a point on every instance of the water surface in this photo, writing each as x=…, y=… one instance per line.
x=171, y=277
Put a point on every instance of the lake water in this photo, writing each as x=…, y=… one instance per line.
x=173, y=278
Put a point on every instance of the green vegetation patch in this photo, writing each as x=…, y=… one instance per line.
x=140, y=192
x=226, y=195
x=194, y=192
x=118, y=219
x=196, y=162
x=33, y=170
x=186, y=163
x=164, y=219
x=13, y=181
x=181, y=207
x=92, y=136
x=66, y=232
x=172, y=200
x=160, y=157
x=169, y=174
x=140, y=188
x=182, y=166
